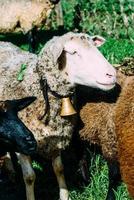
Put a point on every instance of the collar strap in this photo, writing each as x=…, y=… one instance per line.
x=45, y=88
x=55, y=94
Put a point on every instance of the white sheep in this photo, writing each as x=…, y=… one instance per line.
x=64, y=62
x=24, y=16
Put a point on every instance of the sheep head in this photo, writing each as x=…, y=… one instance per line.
x=14, y=135
x=85, y=65
x=74, y=59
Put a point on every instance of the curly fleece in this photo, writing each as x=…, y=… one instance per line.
x=124, y=123
x=97, y=114
x=108, y=121
x=57, y=134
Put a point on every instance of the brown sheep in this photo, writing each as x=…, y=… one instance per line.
x=124, y=126
x=97, y=113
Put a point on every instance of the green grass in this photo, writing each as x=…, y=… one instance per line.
x=115, y=50
x=98, y=185
x=97, y=189
x=109, y=18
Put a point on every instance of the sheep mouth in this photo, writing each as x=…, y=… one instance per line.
x=106, y=84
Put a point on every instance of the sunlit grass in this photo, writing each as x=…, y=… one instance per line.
x=97, y=189
x=115, y=50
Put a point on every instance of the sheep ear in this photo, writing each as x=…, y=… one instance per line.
x=20, y=104
x=69, y=47
x=57, y=50
x=98, y=40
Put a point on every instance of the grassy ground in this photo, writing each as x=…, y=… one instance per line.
x=97, y=189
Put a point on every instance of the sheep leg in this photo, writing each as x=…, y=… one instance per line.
x=28, y=175
x=80, y=149
x=31, y=40
x=9, y=168
x=3, y=159
x=114, y=179
x=59, y=172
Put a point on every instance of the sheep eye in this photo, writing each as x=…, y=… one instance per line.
x=74, y=52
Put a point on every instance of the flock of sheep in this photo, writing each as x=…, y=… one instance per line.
x=63, y=64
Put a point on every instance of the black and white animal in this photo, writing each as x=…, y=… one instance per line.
x=63, y=63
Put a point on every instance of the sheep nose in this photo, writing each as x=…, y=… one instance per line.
x=109, y=75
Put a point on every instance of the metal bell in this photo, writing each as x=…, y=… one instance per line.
x=67, y=107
